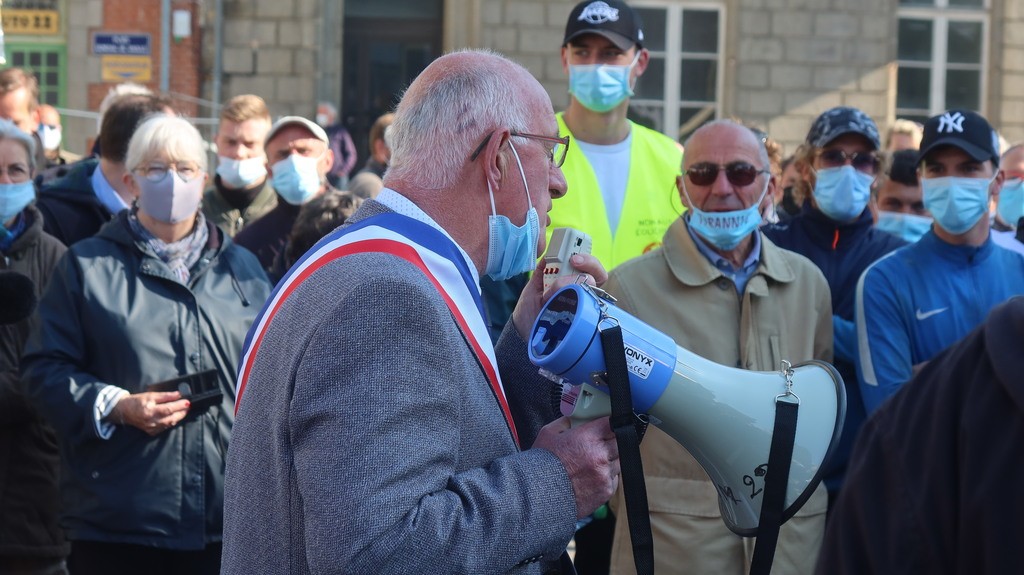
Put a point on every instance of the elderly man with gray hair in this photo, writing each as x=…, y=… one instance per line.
x=378, y=430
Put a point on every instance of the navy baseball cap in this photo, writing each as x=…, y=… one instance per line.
x=612, y=19
x=963, y=129
x=839, y=121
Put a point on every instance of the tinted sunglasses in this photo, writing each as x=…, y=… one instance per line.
x=738, y=173
x=866, y=162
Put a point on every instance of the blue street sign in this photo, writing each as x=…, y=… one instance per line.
x=127, y=44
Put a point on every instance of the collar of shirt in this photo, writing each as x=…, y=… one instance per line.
x=403, y=205
x=738, y=276
x=106, y=193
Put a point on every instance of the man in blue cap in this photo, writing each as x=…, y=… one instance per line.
x=835, y=230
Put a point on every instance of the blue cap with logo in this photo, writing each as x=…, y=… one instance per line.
x=839, y=121
x=962, y=129
x=611, y=19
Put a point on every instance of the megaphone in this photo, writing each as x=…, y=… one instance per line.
x=722, y=415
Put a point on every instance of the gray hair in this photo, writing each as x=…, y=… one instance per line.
x=160, y=134
x=444, y=116
x=9, y=131
x=762, y=150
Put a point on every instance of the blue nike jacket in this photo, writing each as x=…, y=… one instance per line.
x=922, y=299
x=842, y=251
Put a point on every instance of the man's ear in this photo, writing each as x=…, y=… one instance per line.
x=328, y=160
x=642, y=61
x=565, y=58
x=679, y=190
x=997, y=185
x=493, y=160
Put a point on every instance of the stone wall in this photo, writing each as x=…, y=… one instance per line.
x=272, y=48
x=786, y=61
x=1007, y=97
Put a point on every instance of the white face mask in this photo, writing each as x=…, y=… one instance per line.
x=322, y=120
x=50, y=136
x=241, y=173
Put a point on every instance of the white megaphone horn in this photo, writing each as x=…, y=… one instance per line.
x=722, y=415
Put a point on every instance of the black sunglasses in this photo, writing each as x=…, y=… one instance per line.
x=738, y=173
x=866, y=162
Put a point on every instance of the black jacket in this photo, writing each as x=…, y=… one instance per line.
x=114, y=314
x=29, y=461
x=934, y=478
x=70, y=208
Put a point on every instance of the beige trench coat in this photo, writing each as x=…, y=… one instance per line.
x=785, y=313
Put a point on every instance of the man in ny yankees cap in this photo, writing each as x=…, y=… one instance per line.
x=926, y=296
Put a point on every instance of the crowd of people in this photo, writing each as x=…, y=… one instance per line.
x=288, y=363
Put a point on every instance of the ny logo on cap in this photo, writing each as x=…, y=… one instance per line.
x=950, y=124
x=599, y=13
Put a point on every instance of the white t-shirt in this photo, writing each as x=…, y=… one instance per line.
x=611, y=166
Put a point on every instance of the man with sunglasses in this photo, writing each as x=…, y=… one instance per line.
x=923, y=298
x=835, y=230
x=725, y=292
x=378, y=430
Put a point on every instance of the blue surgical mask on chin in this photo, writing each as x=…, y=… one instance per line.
x=957, y=204
x=910, y=227
x=14, y=198
x=725, y=230
x=511, y=249
x=842, y=193
x=1011, y=201
x=601, y=87
x=296, y=179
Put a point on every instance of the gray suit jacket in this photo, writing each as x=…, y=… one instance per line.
x=368, y=439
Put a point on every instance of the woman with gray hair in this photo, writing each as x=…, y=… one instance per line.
x=133, y=361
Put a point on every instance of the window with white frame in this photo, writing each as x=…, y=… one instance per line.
x=942, y=55
x=682, y=86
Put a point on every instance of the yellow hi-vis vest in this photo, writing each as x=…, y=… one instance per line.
x=650, y=205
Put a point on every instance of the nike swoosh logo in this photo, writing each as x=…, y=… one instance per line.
x=921, y=316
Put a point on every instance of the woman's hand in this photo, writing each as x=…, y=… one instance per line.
x=152, y=411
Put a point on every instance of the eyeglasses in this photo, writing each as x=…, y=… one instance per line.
x=157, y=172
x=866, y=162
x=559, y=146
x=738, y=173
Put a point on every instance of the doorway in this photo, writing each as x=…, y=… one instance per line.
x=387, y=44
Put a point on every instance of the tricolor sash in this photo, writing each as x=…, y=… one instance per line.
x=431, y=251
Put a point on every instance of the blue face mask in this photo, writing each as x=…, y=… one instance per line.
x=14, y=198
x=296, y=179
x=511, y=249
x=725, y=230
x=910, y=227
x=1011, y=201
x=600, y=87
x=957, y=204
x=842, y=193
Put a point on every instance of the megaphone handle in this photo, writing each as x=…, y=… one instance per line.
x=622, y=421
x=780, y=456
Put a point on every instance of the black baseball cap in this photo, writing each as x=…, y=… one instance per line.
x=963, y=129
x=839, y=121
x=612, y=19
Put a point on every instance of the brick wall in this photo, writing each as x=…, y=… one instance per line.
x=84, y=73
